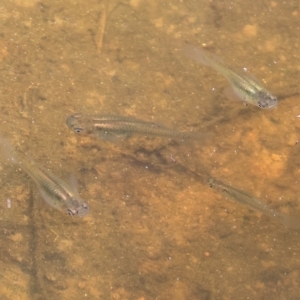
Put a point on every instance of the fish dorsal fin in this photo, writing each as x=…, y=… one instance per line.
x=74, y=184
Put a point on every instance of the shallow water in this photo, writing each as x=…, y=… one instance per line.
x=156, y=229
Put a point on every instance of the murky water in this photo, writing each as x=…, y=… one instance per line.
x=156, y=229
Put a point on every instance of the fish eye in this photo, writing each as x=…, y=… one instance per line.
x=72, y=212
x=78, y=129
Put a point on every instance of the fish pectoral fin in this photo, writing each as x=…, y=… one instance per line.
x=39, y=201
x=122, y=136
x=112, y=137
x=230, y=93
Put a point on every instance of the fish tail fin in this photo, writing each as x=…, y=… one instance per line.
x=208, y=59
x=7, y=152
x=292, y=222
x=196, y=54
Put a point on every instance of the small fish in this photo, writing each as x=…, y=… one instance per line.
x=253, y=203
x=55, y=191
x=244, y=87
x=110, y=127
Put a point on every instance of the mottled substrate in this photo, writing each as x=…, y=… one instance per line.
x=156, y=230
x=168, y=202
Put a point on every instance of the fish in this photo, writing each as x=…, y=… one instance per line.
x=113, y=127
x=56, y=192
x=253, y=203
x=243, y=86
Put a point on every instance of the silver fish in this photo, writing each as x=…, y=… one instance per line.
x=253, y=203
x=245, y=87
x=111, y=127
x=54, y=190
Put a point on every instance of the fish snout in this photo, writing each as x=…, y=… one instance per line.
x=267, y=101
x=73, y=122
x=80, y=211
x=73, y=119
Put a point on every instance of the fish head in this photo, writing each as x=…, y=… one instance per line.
x=79, y=210
x=80, y=124
x=266, y=100
x=74, y=123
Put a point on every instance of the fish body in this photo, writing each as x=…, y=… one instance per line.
x=252, y=202
x=108, y=127
x=54, y=190
x=244, y=86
